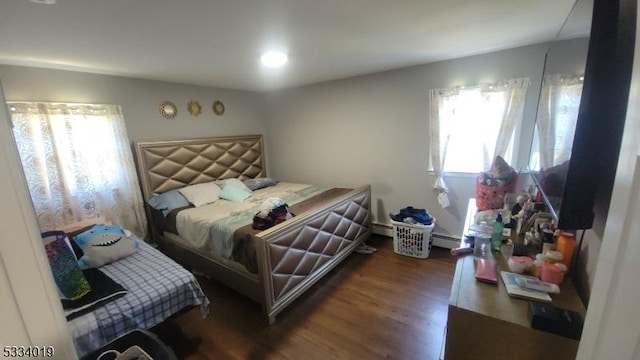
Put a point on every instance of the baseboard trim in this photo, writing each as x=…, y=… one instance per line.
x=445, y=242
x=442, y=241
x=382, y=229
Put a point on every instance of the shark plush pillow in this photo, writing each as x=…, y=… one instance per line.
x=103, y=244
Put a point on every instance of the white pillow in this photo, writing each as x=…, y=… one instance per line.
x=201, y=194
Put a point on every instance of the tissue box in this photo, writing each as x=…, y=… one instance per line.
x=549, y=318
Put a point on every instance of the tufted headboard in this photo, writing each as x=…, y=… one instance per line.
x=167, y=165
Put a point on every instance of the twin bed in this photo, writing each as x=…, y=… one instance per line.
x=273, y=266
x=156, y=288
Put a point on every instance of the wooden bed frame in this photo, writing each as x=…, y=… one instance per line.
x=292, y=255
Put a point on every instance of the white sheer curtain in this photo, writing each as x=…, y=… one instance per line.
x=472, y=125
x=78, y=164
x=514, y=92
x=439, y=141
x=556, y=122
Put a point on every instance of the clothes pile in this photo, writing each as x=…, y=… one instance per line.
x=411, y=215
x=273, y=212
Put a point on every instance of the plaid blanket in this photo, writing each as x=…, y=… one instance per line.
x=157, y=288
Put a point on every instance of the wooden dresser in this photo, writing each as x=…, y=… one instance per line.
x=484, y=322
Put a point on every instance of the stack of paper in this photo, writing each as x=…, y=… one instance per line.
x=511, y=283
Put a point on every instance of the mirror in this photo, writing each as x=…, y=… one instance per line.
x=168, y=110
x=559, y=103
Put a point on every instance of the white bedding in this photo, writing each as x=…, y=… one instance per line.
x=200, y=226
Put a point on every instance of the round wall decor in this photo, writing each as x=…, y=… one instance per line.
x=168, y=110
x=194, y=108
x=218, y=107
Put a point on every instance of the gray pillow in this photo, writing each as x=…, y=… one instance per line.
x=259, y=183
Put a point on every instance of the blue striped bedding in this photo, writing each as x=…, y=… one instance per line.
x=157, y=288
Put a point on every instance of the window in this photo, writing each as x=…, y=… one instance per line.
x=78, y=164
x=469, y=123
x=469, y=127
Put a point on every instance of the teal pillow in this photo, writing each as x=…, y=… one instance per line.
x=67, y=274
x=235, y=182
x=232, y=192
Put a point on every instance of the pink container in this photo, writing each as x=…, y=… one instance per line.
x=563, y=268
x=552, y=274
x=520, y=264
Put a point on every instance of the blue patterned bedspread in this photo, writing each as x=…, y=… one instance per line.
x=157, y=288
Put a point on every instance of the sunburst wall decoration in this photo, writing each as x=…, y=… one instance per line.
x=194, y=108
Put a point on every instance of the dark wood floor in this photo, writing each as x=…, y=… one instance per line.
x=372, y=306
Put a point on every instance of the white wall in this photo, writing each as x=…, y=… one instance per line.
x=140, y=101
x=373, y=130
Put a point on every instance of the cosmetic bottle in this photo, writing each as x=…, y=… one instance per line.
x=566, y=244
x=496, y=233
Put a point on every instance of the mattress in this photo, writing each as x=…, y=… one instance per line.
x=211, y=227
x=157, y=287
x=223, y=229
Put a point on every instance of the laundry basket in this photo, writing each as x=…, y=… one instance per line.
x=412, y=239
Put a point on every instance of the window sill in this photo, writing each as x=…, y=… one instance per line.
x=455, y=174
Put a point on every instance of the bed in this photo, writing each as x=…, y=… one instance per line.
x=157, y=287
x=290, y=256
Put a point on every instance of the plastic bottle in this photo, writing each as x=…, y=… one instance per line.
x=482, y=246
x=496, y=233
x=566, y=244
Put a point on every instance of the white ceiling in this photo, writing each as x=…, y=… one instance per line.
x=218, y=42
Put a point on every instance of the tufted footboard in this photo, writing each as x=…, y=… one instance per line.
x=294, y=255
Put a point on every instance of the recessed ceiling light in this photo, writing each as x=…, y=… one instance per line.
x=43, y=2
x=273, y=59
